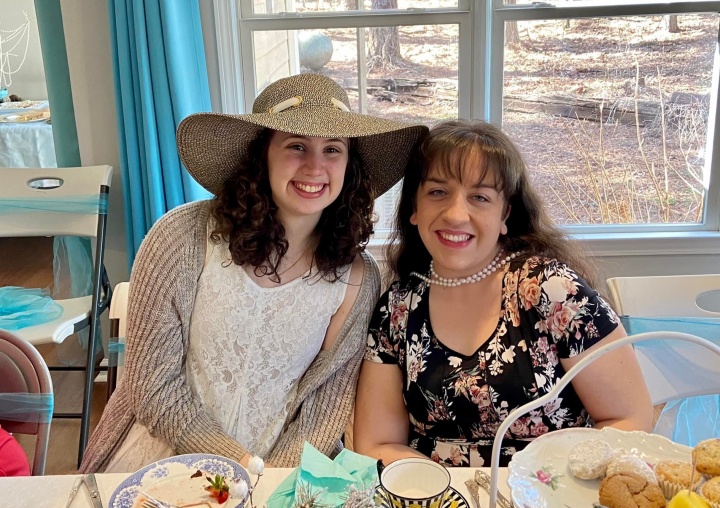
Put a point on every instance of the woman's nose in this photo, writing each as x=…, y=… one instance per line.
x=457, y=210
x=313, y=163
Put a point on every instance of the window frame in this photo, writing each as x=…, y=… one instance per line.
x=480, y=88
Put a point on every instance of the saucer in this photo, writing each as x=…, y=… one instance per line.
x=453, y=499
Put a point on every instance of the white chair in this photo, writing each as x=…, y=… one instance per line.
x=690, y=346
x=63, y=202
x=23, y=371
x=118, y=330
x=670, y=295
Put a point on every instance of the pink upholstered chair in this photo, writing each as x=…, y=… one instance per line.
x=24, y=372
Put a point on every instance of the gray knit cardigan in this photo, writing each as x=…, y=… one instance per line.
x=154, y=391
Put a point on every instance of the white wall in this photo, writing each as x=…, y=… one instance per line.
x=87, y=38
x=29, y=81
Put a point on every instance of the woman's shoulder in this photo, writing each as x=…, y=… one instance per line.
x=542, y=268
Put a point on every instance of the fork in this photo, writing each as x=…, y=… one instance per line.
x=483, y=480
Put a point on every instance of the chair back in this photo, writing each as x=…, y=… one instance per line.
x=689, y=342
x=670, y=295
x=23, y=371
x=51, y=198
x=118, y=331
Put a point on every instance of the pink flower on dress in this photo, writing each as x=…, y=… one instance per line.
x=539, y=429
x=561, y=319
x=530, y=293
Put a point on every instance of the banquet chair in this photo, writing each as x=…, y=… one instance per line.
x=23, y=372
x=683, y=303
x=667, y=343
x=666, y=295
x=118, y=329
x=60, y=202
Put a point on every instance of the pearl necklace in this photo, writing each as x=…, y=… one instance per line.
x=494, y=266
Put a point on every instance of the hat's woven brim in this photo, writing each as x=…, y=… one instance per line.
x=213, y=146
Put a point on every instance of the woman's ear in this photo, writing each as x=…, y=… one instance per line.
x=413, y=219
x=504, y=228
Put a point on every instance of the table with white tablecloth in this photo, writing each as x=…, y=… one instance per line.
x=52, y=491
x=27, y=145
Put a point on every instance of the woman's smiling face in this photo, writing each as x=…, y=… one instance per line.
x=460, y=220
x=306, y=173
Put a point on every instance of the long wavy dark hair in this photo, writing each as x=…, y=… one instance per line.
x=246, y=217
x=530, y=229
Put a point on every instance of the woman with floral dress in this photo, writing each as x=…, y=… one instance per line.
x=490, y=307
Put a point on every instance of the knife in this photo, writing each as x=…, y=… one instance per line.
x=74, y=491
x=93, y=489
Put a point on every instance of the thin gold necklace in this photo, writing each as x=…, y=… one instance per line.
x=300, y=257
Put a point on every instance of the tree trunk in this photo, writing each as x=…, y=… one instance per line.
x=672, y=24
x=512, y=36
x=384, y=42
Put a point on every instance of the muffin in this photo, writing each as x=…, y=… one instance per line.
x=706, y=456
x=674, y=475
x=631, y=464
x=710, y=491
x=589, y=459
x=630, y=490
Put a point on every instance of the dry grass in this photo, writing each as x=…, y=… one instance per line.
x=589, y=172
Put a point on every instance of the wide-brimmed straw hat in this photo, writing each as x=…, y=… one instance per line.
x=214, y=146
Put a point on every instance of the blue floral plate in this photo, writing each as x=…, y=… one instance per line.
x=170, y=479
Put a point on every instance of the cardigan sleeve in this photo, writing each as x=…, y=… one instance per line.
x=162, y=294
x=323, y=415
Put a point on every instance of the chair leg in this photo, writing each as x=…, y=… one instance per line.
x=93, y=358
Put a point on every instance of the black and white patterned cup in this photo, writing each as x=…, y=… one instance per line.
x=414, y=482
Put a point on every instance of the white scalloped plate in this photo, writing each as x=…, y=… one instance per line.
x=539, y=478
x=168, y=480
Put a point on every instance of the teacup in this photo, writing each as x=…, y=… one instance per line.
x=416, y=482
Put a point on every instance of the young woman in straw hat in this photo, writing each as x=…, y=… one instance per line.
x=493, y=304
x=248, y=313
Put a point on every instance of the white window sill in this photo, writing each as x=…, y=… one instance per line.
x=626, y=244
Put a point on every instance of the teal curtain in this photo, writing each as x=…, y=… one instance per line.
x=160, y=78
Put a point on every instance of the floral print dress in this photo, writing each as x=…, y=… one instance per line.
x=456, y=402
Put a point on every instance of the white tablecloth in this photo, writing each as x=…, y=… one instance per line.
x=52, y=491
x=27, y=145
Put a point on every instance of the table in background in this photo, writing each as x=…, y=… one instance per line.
x=27, y=145
x=53, y=491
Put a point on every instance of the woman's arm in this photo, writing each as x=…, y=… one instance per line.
x=612, y=387
x=381, y=419
x=326, y=404
x=162, y=295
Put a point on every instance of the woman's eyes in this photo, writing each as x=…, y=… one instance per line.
x=301, y=148
x=480, y=198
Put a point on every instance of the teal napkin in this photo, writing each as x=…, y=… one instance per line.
x=331, y=478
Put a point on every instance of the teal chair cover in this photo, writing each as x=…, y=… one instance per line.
x=694, y=419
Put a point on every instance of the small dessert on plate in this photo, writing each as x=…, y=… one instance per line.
x=674, y=476
x=630, y=490
x=710, y=491
x=706, y=456
x=631, y=464
x=588, y=460
x=687, y=499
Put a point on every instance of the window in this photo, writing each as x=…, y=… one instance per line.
x=613, y=104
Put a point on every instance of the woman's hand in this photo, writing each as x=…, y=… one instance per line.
x=381, y=420
x=612, y=387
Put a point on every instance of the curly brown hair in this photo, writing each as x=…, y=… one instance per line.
x=246, y=217
x=530, y=229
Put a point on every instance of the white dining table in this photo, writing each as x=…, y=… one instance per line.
x=53, y=491
x=27, y=145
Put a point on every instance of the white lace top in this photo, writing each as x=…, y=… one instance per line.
x=250, y=345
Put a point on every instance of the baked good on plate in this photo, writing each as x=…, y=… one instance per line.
x=630, y=490
x=589, y=459
x=710, y=491
x=674, y=475
x=706, y=456
x=631, y=464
